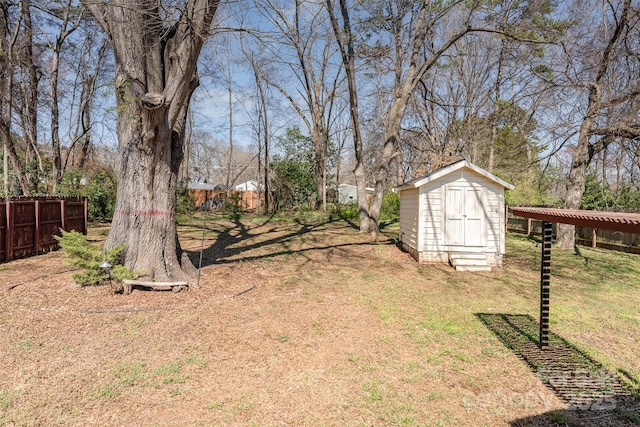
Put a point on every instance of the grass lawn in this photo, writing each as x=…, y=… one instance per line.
x=307, y=322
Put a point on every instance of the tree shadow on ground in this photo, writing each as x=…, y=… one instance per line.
x=594, y=396
x=237, y=238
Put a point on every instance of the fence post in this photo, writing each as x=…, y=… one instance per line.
x=9, y=240
x=506, y=216
x=86, y=215
x=36, y=240
x=62, y=216
x=594, y=238
x=4, y=242
x=529, y=226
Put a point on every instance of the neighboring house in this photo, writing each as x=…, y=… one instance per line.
x=248, y=194
x=455, y=214
x=251, y=185
x=347, y=193
x=205, y=194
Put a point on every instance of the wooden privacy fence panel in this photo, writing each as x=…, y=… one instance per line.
x=28, y=225
x=585, y=236
x=3, y=231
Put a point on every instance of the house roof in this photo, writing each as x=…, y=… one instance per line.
x=367, y=189
x=200, y=186
x=250, y=185
x=617, y=221
x=446, y=170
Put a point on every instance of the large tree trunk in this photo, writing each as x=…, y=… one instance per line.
x=145, y=213
x=55, y=125
x=344, y=37
x=565, y=235
x=319, y=150
x=155, y=77
x=391, y=138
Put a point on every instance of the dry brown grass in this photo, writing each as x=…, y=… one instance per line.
x=341, y=329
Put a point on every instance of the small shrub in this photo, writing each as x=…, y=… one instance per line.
x=186, y=203
x=100, y=190
x=233, y=203
x=349, y=211
x=390, y=208
x=82, y=254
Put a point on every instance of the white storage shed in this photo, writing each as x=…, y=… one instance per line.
x=455, y=214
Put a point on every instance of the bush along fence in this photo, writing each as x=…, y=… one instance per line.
x=585, y=236
x=28, y=224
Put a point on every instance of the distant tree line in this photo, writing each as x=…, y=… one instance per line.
x=320, y=92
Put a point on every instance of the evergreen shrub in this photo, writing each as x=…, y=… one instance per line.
x=81, y=253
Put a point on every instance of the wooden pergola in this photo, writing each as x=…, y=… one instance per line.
x=616, y=221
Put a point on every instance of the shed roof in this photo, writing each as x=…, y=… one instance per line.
x=617, y=221
x=446, y=170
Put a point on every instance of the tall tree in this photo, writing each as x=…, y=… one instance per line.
x=10, y=24
x=303, y=45
x=28, y=99
x=90, y=62
x=344, y=37
x=70, y=18
x=262, y=130
x=410, y=37
x=413, y=42
x=156, y=48
x=293, y=170
x=604, y=73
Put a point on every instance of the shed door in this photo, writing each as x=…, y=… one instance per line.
x=464, y=225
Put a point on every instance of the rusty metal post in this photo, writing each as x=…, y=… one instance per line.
x=545, y=281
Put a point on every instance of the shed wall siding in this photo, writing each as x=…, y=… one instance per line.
x=409, y=214
x=433, y=247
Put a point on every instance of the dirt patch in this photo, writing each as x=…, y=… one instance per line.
x=292, y=324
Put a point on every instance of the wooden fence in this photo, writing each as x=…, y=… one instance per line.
x=585, y=236
x=28, y=224
x=213, y=199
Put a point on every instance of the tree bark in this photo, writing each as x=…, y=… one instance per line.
x=310, y=69
x=65, y=31
x=30, y=100
x=344, y=38
x=155, y=77
x=389, y=151
x=596, y=106
x=89, y=81
x=496, y=108
x=406, y=81
x=565, y=238
x=8, y=38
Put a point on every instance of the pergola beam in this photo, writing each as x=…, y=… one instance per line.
x=616, y=221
